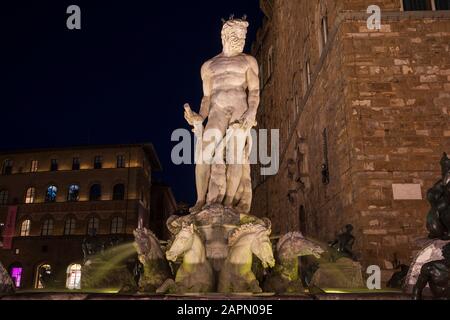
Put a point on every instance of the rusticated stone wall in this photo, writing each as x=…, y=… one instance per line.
x=382, y=96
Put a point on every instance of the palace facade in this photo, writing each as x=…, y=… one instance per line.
x=363, y=117
x=51, y=199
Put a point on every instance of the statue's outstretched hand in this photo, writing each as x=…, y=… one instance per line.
x=191, y=117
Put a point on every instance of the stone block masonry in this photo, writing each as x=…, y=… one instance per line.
x=382, y=98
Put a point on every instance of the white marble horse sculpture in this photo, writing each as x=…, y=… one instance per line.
x=236, y=275
x=156, y=267
x=195, y=275
x=285, y=277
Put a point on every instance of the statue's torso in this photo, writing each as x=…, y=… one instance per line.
x=228, y=73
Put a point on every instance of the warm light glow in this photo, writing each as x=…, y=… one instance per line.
x=30, y=196
x=25, y=228
x=73, y=277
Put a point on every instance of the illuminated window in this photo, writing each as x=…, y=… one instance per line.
x=95, y=193
x=116, y=225
x=54, y=165
x=7, y=167
x=73, y=281
x=51, y=194
x=119, y=192
x=74, y=193
x=93, y=225
x=30, y=195
x=47, y=228
x=43, y=273
x=120, y=161
x=98, y=162
x=16, y=275
x=34, y=166
x=4, y=195
x=69, y=227
x=25, y=228
x=76, y=164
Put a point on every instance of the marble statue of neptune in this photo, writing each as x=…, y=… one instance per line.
x=230, y=103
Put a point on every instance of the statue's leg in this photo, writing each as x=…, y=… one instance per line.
x=213, y=174
x=236, y=159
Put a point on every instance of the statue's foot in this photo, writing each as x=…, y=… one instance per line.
x=198, y=207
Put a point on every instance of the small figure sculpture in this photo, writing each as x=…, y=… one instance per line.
x=438, y=221
x=344, y=243
x=436, y=274
x=152, y=268
x=195, y=275
x=230, y=102
x=236, y=275
x=285, y=277
x=6, y=284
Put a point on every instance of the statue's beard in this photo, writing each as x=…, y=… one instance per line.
x=234, y=45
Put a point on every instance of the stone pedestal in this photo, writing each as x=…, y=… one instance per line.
x=432, y=251
x=343, y=274
x=215, y=224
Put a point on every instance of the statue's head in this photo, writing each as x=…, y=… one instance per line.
x=258, y=237
x=183, y=242
x=294, y=244
x=446, y=252
x=234, y=33
x=349, y=228
x=445, y=166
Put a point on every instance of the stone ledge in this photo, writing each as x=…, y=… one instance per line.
x=213, y=297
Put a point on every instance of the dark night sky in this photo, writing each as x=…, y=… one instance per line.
x=122, y=79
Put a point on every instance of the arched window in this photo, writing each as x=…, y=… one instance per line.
x=95, y=194
x=51, y=194
x=7, y=167
x=73, y=281
x=4, y=195
x=43, y=274
x=30, y=195
x=74, y=193
x=116, y=225
x=93, y=225
x=16, y=274
x=119, y=192
x=47, y=228
x=69, y=226
x=25, y=228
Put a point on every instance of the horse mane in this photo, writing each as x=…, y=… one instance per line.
x=287, y=237
x=244, y=229
x=196, y=231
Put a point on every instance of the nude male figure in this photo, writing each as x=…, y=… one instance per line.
x=231, y=96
